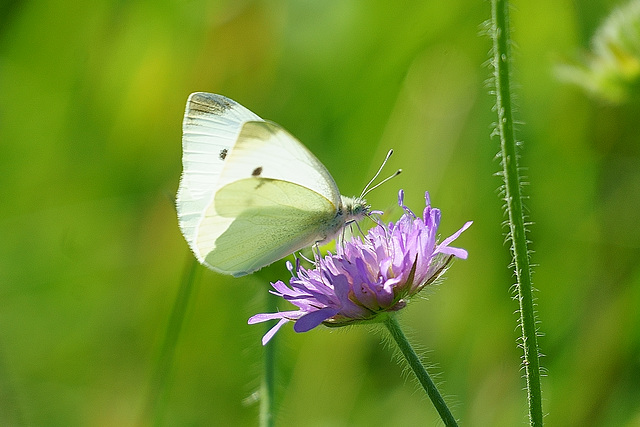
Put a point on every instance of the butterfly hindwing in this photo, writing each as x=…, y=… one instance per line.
x=260, y=220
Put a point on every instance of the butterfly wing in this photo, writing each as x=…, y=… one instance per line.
x=259, y=220
x=211, y=127
x=273, y=197
x=250, y=193
x=266, y=150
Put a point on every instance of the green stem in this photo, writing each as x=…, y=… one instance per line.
x=500, y=33
x=159, y=382
x=418, y=369
x=267, y=386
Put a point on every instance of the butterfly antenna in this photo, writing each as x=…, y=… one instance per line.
x=366, y=187
x=398, y=172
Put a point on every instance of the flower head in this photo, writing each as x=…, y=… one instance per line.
x=367, y=277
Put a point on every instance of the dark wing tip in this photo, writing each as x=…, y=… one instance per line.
x=208, y=103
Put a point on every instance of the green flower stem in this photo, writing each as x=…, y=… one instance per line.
x=267, y=388
x=414, y=362
x=156, y=399
x=500, y=34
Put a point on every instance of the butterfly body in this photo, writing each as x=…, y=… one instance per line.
x=251, y=193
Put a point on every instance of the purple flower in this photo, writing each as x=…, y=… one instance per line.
x=367, y=278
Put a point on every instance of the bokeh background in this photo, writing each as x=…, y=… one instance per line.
x=91, y=259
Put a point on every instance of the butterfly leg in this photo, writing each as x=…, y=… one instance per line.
x=315, y=248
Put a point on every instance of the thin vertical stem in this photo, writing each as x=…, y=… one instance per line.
x=501, y=63
x=419, y=370
x=164, y=365
x=267, y=389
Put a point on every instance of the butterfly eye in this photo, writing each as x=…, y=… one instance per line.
x=257, y=171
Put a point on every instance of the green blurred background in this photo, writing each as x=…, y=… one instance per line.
x=91, y=102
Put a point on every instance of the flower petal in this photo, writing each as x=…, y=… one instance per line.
x=313, y=319
x=272, y=331
x=444, y=249
x=263, y=317
x=456, y=252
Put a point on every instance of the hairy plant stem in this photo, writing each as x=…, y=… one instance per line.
x=419, y=370
x=500, y=34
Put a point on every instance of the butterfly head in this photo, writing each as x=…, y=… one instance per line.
x=355, y=208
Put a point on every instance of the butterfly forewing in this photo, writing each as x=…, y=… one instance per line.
x=266, y=150
x=211, y=126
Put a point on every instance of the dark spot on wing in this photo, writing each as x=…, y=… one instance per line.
x=202, y=103
x=223, y=154
x=257, y=171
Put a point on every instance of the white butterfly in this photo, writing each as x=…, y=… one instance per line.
x=250, y=193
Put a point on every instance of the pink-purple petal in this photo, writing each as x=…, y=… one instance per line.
x=457, y=252
x=258, y=318
x=455, y=235
x=314, y=318
x=271, y=332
